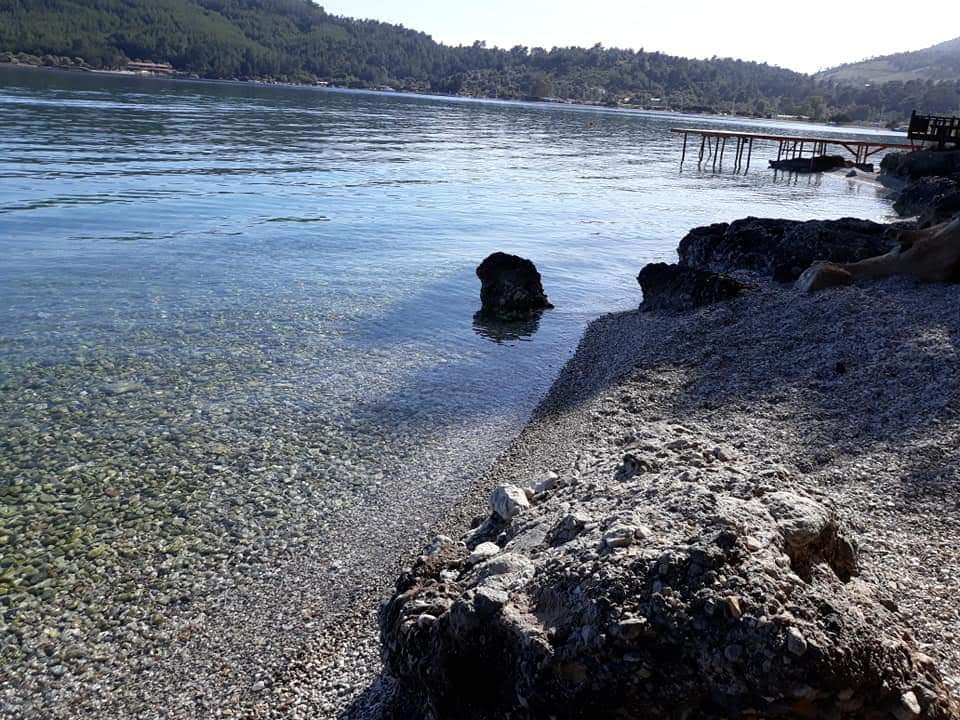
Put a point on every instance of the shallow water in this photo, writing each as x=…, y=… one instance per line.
x=275, y=286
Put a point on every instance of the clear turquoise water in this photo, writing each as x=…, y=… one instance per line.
x=319, y=247
x=139, y=216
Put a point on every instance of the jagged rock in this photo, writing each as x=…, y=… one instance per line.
x=724, y=605
x=934, y=199
x=920, y=194
x=923, y=163
x=820, y=163
x=510, y=287
x=891, y=161
x=943, y=209
x=672, y=287
x=782, y=249
x=507, y=501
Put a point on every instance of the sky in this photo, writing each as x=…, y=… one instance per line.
x=806, y=36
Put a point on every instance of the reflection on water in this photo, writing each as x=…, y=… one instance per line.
x=504, y=331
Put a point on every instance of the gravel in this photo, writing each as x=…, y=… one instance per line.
x=854, y=393
x=145, y=593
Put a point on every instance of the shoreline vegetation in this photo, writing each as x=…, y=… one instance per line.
x=67, y=65
x=296, y=41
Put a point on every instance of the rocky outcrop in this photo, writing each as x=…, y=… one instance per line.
x=781, y=249
x=672, y=287
x=510, y=287
x=920, y=194
x=922, y=163
x=933, y=199
x=635, y=589
x=929, y=255
x=820, y=163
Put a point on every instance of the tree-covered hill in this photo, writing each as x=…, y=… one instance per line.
x=939, y=62
x=296, y=40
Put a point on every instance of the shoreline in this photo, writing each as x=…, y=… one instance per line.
x=854, y=128
x=847, y=396
x=277, y=640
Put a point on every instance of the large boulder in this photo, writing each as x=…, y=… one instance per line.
x=923, y=163
x=933, y=199
x=891, y=161
x=672, y=287
x=782, y=249
x=922, y=193
x=641, y=593
x=510, y=287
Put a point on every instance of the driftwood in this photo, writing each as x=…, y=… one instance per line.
x=931, y=255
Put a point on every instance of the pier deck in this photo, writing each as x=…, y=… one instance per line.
x=714, y=143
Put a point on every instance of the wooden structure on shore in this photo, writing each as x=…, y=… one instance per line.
x=939, y=129
x=151, y=68
x=713, y=144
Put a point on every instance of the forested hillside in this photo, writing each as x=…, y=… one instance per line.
x=295, y=40
x=939, y=62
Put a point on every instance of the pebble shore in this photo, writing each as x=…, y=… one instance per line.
x=147, y=611
x=849, y=395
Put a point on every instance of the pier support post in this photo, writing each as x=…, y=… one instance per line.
x=683, y=155
x=703, y=142
x=749, y=153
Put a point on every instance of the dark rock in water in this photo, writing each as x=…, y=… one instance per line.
x=820, y=163
x=933, y=199
x=674, y=602
x=782, y=249
x=672, y=287
x=510, y=287
x=923, y=163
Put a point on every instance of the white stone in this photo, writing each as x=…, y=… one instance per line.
x=909, y=707
x=437, y=544
x=549, y=482
x=482, y=552
x=508, y=501
x=619, y=536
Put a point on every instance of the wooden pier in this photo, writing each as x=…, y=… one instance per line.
x=713, y=144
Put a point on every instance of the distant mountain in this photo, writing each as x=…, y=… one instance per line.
x=940, y=62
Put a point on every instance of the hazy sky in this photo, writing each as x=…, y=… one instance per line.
x=808, y=35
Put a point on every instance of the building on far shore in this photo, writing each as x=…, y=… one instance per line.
x=151, y=68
